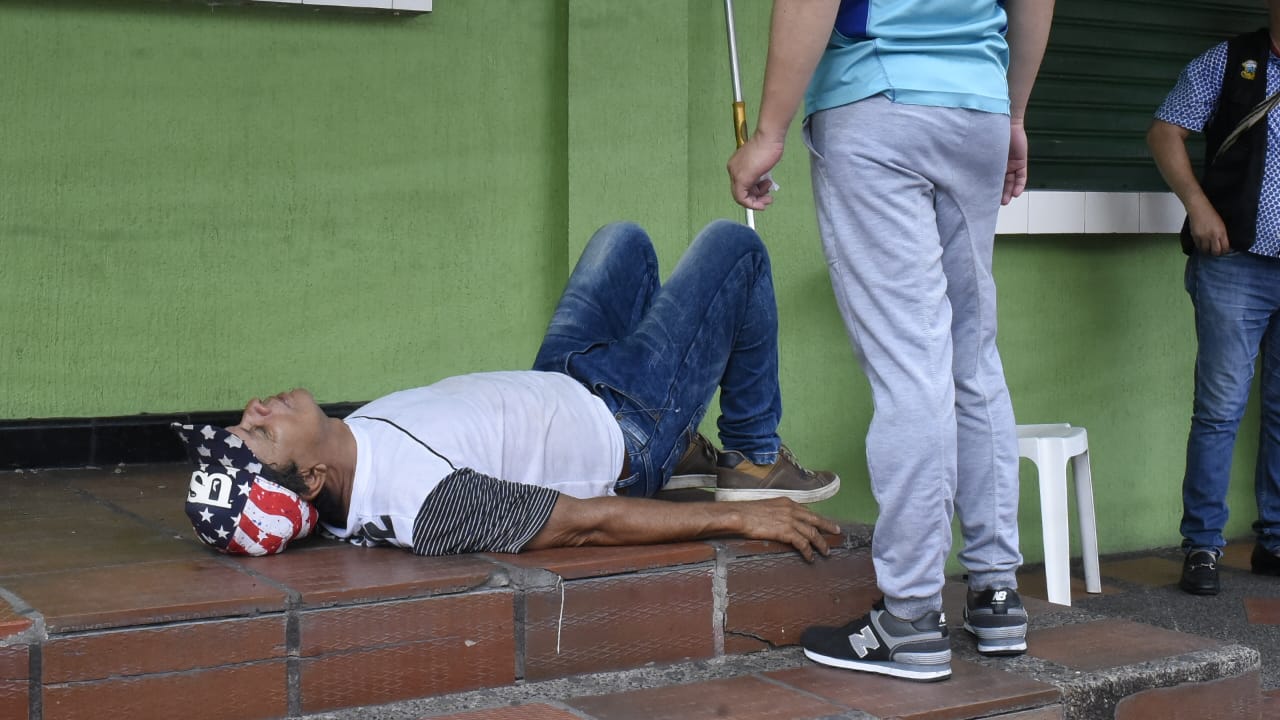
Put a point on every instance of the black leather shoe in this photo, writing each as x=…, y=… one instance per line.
x=1200, y=573
x=1263, y=562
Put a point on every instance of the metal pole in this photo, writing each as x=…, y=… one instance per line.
x=739, y=107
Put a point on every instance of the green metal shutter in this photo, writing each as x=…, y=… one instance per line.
x=1108, y=66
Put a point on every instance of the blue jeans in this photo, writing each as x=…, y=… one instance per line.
x=656, y=353
x=1237, y=303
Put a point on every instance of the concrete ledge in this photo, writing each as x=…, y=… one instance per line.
x=137, y=619
x=1219, y=682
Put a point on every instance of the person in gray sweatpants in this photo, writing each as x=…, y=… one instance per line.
x=914, y=114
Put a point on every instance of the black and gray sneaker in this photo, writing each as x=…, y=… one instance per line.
x=880, y=643
x=996, y=617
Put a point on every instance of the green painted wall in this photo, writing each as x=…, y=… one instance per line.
x=203, y=203
x=199, y=204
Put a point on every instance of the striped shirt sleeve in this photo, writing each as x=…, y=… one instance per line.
x=472, y=512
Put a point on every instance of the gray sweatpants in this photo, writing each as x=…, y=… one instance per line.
x=907, y=198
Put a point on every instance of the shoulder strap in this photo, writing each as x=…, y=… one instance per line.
x=1250, y=119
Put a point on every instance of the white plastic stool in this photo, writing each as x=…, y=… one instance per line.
x=1050, y=447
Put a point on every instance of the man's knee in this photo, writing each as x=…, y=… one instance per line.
x=620, y=237
x=622, y=232
x=730, y=240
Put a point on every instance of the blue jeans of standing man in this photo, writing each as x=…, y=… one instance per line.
x=656, y=353
x=1237, y=303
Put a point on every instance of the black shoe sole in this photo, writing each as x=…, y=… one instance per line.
x=1014, y=645
x=1195, y=590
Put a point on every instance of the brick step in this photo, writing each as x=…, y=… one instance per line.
x=1080, y=666
x=109, y=610
x=783, y=685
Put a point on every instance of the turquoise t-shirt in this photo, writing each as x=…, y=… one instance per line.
x=948, y=53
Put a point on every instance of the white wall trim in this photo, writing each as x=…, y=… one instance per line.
x=1043, y=212
x=397, y=5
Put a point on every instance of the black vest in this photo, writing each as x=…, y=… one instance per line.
x=1233, y=183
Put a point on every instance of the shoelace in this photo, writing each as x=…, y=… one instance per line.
x=705, y=449
x=785, y=452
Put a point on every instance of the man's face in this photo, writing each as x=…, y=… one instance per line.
x=282, y=429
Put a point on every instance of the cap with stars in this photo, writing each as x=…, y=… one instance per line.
x=233, y=503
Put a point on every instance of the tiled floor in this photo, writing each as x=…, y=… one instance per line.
x=110, y=609
x=1143, y=587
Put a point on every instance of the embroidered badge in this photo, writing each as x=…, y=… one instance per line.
x=1249, y=69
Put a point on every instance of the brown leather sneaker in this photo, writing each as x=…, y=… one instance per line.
x=737, y=478
x=697, y=467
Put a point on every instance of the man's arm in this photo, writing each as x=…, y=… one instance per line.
x=639, y=521
x=1028, y=34
x=798, y=33
x=1168, y=143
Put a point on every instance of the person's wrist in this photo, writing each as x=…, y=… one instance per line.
x=768, y=133
x=730, y=521
x=1199, y=206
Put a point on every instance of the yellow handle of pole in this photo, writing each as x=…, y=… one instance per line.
x=740, y=122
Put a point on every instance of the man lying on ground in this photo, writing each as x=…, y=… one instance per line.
x=568, y=453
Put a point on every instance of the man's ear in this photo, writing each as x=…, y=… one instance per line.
x=314, y=478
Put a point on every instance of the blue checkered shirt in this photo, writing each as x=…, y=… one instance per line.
x=1191, y=104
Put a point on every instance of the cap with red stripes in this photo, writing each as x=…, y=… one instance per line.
x=233, y=504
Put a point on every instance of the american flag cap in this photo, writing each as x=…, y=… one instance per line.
x=233, y=504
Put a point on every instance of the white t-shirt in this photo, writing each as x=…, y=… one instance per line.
x=508, y=442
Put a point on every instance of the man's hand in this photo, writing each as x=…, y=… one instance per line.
x=798, y=33
x=785, y=521
x=1168, y=143
x=748, y=171
x=1015, y=173
x=1208, y=231
x=640, y=521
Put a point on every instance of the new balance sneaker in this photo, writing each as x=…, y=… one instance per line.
x=880, y=643
x=737, y=478
x=996, y=617
x=1200, y=573
x=697, y=467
